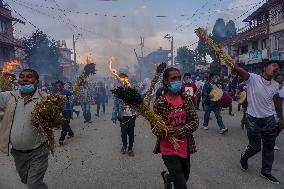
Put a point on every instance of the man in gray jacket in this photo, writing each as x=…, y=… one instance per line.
x=28, y=148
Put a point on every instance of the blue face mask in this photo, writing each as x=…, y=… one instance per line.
x=175, y=86
x=26, y=89
x=188, y=81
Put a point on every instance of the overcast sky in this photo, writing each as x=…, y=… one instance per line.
x=113, y=27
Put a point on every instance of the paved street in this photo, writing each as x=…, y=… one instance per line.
x=92, y=159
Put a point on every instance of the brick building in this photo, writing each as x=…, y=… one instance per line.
x=8, y=43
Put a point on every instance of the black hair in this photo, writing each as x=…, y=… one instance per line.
x=167, y=73
x=267, y=63
x=123, y=75
x=32, y=71
x=211, y=75
x=59, y=82
x=186, y=74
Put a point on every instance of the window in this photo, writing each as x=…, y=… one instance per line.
x=263, y=44
x=254, y=45
x=244, y=49
x=2, y=27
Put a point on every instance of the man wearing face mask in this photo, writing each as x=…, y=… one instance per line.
x=178, y=112
x=28, y=149
x=189, y=86
x=212, y=106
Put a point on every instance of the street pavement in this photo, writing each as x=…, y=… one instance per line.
x=92, y=159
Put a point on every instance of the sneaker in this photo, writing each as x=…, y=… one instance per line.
x=130, y=153
x=270, y=178
x=71, y=135
x=167, y=182
x=61, y=143
x=276, y=148
x=123, y=150
x=244, y=164
x=231, y=114
x=224, y=130
x=205, y=127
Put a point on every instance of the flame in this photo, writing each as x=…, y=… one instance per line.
x=7, y=68
x=114, y=72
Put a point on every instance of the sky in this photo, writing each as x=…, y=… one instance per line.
x=114, y=27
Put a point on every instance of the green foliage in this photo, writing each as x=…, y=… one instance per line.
x=42, y=55
x=231, y=29
x=185, y=57
x=218, y=32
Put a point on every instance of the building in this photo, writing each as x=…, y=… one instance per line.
x=260, y=40
x=69, y=67
x=8, y=43
x=250, y=47
x=147, y=65
x=276, y=29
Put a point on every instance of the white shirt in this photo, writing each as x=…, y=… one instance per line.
x=23, y=134
x=260, y=93
x=199, y=84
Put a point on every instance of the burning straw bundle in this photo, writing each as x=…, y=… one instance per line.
x=154, y=81
x=201, y=33
x=5, y=84
x=132, y=98
x=82, y=79
x=46, y=115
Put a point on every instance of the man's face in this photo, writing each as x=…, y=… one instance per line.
x=26, y=78
x=272, y=70
x=186, y=78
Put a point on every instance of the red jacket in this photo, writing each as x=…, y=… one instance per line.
x=190, y=89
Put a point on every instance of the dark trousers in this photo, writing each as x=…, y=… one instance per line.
x=198, y=100
x=127, y=124
x=179, y=170
x=31, y=166
x=99, y=106
x=261, y=130
x=66, y=129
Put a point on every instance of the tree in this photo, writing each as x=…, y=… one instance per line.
x=218, y=32
x=185, y=57
x=42, y=55
x=230, y=29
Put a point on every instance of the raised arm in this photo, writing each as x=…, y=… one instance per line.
x=241, y=72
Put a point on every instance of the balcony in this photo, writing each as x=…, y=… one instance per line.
x=252, y=57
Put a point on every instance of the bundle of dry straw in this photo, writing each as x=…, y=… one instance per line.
x=47, y=115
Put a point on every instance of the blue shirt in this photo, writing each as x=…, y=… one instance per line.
x=68, y=105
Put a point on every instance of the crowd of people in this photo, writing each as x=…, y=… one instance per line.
x=176, y=100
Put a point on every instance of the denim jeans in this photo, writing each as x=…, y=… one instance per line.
x=86, y=108
x=179, y=170
x=217, y=111
x=261, y=130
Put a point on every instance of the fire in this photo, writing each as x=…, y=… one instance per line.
x=114, y=72
x=7, y=68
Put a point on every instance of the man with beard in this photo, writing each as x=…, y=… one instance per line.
x=262, y=96
x=29, y=151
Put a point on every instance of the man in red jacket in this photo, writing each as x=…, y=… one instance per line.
x=189, y=86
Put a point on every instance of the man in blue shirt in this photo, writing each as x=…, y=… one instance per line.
x=67, y=112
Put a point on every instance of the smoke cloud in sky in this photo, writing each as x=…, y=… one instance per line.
x=105, y=36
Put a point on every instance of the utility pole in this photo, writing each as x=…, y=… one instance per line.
x=171, y=38
x=75, y=38
x=74, y=49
